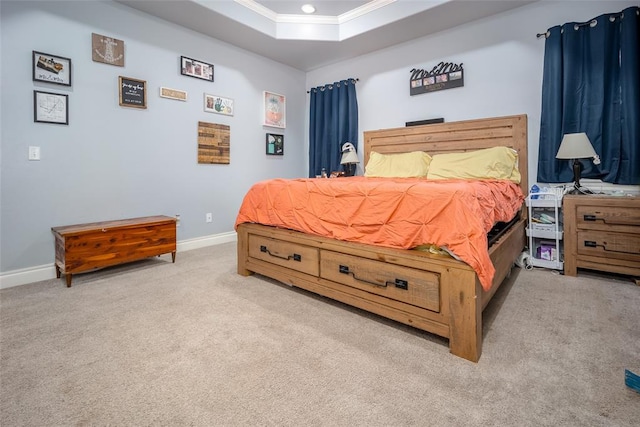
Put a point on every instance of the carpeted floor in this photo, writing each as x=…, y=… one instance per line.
x=193, y=343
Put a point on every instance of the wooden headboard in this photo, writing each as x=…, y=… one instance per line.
x=467, y=135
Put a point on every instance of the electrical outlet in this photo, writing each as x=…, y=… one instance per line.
x=177, y=220
x=209, y=217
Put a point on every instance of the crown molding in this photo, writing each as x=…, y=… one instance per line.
x=363, y=10
x=314, y=19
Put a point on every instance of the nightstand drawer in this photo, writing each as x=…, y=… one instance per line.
x=609, y=245
x=609, y=218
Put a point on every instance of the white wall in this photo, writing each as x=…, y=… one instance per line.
x=112, y=162
x=503, y=64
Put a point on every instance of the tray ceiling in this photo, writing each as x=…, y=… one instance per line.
x=338, y=30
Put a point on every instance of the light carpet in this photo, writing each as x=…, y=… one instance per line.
x=193, y=343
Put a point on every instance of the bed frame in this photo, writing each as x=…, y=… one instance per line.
x=431, y=292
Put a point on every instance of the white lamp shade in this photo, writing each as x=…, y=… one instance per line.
x=349, y=157
x=575, y=146
x=349, y=154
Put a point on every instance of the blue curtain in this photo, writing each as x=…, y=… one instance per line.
x=333, y=120
x=591, y=84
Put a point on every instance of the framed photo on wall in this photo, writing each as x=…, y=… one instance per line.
x=194, y=68
x=275, y=144
x=51, y=68
x=274, y=109
x=49, y=107
x=218, y=104
x=132, y=92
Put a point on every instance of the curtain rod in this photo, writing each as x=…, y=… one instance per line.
x=547, y=33
x=331, y=84
x=591, y=22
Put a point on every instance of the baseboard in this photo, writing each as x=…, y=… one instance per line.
x=27, y=275
x=202, y=242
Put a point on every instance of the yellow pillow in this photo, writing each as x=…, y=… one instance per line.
x=488, y=163
x=401, y=165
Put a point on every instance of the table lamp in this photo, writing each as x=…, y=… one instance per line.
x=575, y=146
x=349, y=159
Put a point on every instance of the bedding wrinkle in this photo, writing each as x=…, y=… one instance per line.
x=398, y=213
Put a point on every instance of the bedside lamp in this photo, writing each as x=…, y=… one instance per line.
x=349, y=159
x=575, y=146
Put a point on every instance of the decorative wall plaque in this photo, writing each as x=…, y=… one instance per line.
x=166, y=92
x=445, y=75
x=213, y=143
x=132, y=92
x=107, y=49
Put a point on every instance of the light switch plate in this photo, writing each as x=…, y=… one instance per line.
x=34, y=153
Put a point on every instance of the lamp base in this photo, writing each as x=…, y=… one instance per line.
x=577, y=189
x=349, y=169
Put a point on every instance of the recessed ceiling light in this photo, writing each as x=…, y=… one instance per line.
x=307, y=8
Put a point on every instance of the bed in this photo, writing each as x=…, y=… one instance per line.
x=424, y=289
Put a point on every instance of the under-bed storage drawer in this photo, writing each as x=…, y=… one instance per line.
x=408, y=285
x=286, y=254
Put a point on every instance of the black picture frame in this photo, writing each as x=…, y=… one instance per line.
x=132, y=92
x=275, y=144
x=49, y=68
x=196, y=68
x=50, y=107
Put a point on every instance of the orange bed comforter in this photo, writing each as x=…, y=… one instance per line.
x=392, y=212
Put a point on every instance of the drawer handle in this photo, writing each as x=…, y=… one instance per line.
x=589, y=217
x=295, y=257
x=399, y=283
x=592, y=244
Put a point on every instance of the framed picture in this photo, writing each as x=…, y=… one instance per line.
x=218, y=104
x=179, y=95
x=275, y=144
x=194, y=68
x=50, y=107
x=132, y=92
x=274, y=109
x=51, y=68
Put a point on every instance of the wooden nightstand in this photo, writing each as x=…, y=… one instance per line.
x=602, y=233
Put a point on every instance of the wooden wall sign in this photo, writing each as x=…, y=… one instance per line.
x=166, y=92
x=445, y=75
x=107, y=50
x=213, y=143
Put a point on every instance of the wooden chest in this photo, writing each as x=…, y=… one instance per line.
x=85, y=247
x=602, y=233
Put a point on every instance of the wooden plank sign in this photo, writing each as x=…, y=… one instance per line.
x=213, y=143
x=108, y=50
